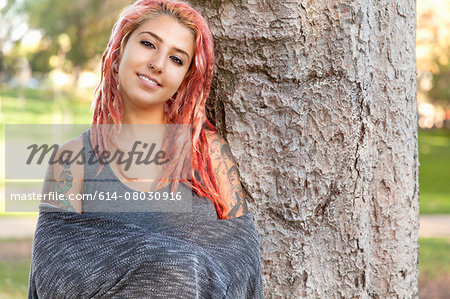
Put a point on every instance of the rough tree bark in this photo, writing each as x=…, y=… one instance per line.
x=318, y=102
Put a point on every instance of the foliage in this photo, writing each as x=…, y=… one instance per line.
x=440, y=91
x=87, y=23
x=10, y=19
x=433, y=51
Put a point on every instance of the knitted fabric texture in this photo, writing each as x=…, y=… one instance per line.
x=92, y=256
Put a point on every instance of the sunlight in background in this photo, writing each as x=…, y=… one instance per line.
x=59, y=78
x=19, y=31
x=88, y=80
x=31, y=39
x=3, y=3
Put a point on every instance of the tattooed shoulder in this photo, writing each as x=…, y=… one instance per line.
x=64, y=179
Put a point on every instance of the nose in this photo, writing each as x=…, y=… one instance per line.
x=156, y=63
x=153, y=67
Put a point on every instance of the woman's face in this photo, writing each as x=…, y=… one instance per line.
x=165, y=44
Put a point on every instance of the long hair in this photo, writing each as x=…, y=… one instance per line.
x=186, y=106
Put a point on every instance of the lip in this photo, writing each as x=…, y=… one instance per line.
x=147, y=84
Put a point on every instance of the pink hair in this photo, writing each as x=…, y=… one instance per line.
x=187, y=106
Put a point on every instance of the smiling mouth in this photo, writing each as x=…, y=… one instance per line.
x=148, y=80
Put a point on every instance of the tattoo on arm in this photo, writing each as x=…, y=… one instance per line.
x=239, y=201
x=59, y=186
x=228, y=176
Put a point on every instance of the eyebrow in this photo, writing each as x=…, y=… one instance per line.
x=160, y=40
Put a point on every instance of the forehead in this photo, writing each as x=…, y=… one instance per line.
x=173, y=33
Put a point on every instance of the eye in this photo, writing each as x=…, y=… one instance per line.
x=177, y=60
x=148, y=44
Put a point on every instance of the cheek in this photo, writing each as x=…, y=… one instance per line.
x=122, y=78
x=127, y=59
x=178, y=78
x=121, y=69
x=120, y=72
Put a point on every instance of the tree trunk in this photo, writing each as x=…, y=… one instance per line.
x=318, y=102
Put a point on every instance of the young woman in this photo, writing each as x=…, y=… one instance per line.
x=156, y=70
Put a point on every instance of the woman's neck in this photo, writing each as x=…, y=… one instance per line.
x=153, y=116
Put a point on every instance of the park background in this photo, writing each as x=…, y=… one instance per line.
x=49, y=66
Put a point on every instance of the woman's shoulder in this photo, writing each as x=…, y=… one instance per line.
x=75, y=147
x=74, y=144
x=216, y=142
x=71, y=152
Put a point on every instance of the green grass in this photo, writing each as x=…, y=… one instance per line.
x=14, y=274
x=39, y=108
x=434, y=171
x=14, y=278
x=434, y=257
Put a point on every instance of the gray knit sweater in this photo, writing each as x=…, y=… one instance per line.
x=98, y=256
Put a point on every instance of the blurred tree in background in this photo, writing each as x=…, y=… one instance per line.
x=12, y=29
x=440, y=84
x=433, y=51
x=79, y=28
x=71, y=35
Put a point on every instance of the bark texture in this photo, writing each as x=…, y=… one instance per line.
x=318, y=102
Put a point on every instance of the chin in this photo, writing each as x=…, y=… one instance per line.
x=146, y=103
